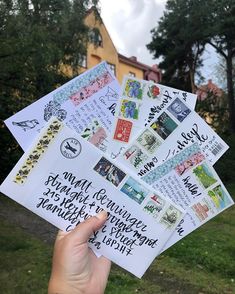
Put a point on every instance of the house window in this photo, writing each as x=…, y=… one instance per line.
x=95, y=37
x=132, y=74
x=113, y=68
x=83, y=61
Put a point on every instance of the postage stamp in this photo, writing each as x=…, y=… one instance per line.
x=133, y=89
x=153, y=91
x=219, y=197
x=203, y=209
x=204, y=175
x=123, y=130
x=171, y=216
x=129, y=109
x=135, y=156
x=149, y=141
x=154, y=205
x=134, y=190
x=179, y=109
x=109, y=171
x=164, y=125
x=188, y=164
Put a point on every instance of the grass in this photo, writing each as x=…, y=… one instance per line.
x=203, y=262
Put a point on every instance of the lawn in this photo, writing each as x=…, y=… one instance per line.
x=203, y=262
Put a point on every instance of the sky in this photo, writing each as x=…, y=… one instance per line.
x=129, y=23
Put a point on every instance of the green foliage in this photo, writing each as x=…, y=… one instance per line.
x=36, y=39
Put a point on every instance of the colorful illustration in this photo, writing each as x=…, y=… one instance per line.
x=154, y=205
x=26, y=124
x=134, y=190
x=135, y=156
x=95, y=134
x=37, y=152
x=204, y=175
x=123, y=130
x=171, y=216
x=53, y=108
x=202, y=209
x=219, y=197
x=129, y=109
x=164, y=125
x=153, y=91
x=188, y=164
x=109, y=171
x=133, y=89
x=179, y=109
x=149, y=141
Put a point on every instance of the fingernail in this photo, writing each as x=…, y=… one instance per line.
x=102, y=215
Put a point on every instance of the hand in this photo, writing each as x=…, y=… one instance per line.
x=75, y=268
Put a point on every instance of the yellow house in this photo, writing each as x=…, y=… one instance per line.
x=101, y=47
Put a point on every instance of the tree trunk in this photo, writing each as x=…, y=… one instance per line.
x=229, y=71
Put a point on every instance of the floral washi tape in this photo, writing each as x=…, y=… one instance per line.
x=37, y=152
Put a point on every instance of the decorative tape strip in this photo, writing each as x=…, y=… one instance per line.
x=43, y=143
x=80, y=82
x=170, y=164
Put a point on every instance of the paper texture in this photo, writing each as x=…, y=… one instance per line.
x=84, y=102
x=190, y=181
x=65, y=179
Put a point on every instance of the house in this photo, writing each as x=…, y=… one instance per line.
x=101, y=47
x=203, y=90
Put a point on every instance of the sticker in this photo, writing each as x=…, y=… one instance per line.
x=204, y=175
x=171, y=216
x=134, y=190
x=26, y=124
x=109, y=171
x=129, y=109
x=179, y=109
x=70, y=148
x=148, y=141
x=37, y=152
x=123, y=130
x=154, y=205
x=219, y=197
x=164, y=125
x=135, y=156
x=153, y=91
x=53, y=108
x=95, y=134
x=133, y=89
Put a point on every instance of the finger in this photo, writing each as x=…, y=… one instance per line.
x=85, y=229
x=61, y=235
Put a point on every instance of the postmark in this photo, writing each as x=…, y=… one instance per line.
x=70, y=148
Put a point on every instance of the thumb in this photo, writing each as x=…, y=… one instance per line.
x=84, y=230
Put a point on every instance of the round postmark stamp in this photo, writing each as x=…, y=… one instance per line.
x=70, y=148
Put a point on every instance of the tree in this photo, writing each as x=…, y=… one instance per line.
x=182, y=34
x=38, y=38
x=221, y=35
x=178, y=40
